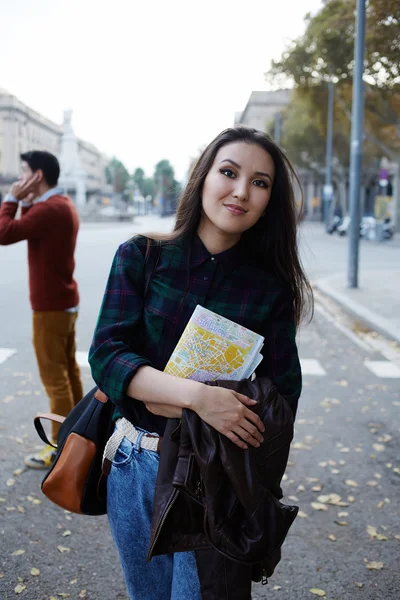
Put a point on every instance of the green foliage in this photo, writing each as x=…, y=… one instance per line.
x=117, y=175
x=327, y=47
x=325, y=52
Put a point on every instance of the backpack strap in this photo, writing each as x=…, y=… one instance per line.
x=151, y=259
x=37, y=421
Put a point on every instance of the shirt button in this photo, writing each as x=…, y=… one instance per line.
x=212, y=258
x=205, y=278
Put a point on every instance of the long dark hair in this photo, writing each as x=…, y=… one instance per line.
x=272, y=241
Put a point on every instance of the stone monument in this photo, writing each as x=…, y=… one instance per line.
x=73, y=176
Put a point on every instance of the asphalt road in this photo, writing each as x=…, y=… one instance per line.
x=347, y=444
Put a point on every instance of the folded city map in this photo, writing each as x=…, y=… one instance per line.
x=213, y=347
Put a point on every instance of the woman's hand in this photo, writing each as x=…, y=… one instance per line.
x=227, y=412
x=164, y=410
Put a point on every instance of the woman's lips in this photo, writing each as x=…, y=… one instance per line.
x=235, y=209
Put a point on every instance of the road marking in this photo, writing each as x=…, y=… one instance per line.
x=383, y=368
x=82, y=359
x=6, y=353
x=342, y=328
x=311, y=366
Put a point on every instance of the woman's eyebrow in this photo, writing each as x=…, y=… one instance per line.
x=238, y=166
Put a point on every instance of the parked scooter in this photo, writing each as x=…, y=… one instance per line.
x=343, y=228
x=336, y=221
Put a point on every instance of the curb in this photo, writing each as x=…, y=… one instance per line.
x=369, y=317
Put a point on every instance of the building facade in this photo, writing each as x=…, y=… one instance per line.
x=23, y=129
x=261, y=109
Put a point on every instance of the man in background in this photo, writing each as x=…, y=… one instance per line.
x=50, y=223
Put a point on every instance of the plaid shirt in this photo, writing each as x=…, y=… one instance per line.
x=132, y=332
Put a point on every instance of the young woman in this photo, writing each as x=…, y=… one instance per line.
x=234, y=251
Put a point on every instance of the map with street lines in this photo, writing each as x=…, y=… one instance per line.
x=213, y=347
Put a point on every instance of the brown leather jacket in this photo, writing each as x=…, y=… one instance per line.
x=210, y=494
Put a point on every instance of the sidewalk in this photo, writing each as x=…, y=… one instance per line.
x=376, y=301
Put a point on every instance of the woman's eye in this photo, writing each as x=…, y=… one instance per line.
x=227, y=172
x=260, y=183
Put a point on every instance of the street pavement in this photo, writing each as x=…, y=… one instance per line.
x=344, y=469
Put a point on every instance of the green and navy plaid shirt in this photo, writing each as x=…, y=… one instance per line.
x=132, y=332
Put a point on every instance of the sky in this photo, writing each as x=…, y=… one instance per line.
x=146, y=80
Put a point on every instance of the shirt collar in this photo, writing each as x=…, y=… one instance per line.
x=229, y=259
x=51, y=192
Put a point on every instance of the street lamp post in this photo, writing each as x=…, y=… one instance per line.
x=356, y=144
x=278, y=128
x=328, y=188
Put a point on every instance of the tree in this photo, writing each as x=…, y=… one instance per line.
x=117, y=175
x=326, y=48
x=167, y=187
x=138, y=180
x=325, y=53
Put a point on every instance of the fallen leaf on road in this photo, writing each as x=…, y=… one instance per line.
x=277, y=587
x=19, y=588
x=34, y=500
x=8, y=399
x=82, y=594
x=385, y=438
x=317, y=488
x=300, y=446
x=302, y=514
x=1, y=575
x=63, y=549
x=396, y=470
x=63, y=595
x=319, y=506
x=323, y=463
x=66, y=533
x=372, y=483
x=397, y=537
x=372, y=531
x=10, y=482
x=20, y=509
x=18, y=552
x=332, y=537
x=351, y=483
x=374, y=565
x=359, y=585
x=73, y=581
x=330, y=499
x=18, y=472
x=318, y=592
x=35, y=572
x=341, y=523
x=344, y=449
x=378, y=447
x=343, y=514
x=301, y=488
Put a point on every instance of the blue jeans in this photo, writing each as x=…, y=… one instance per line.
x=130, y=493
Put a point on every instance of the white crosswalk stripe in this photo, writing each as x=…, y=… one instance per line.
x=5, y=353
x=383, y=368
x=310, y=366
x=82, y=359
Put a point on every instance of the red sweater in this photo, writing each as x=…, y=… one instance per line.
x=51, y=228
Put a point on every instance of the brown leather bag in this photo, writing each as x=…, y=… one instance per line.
x=75, y=481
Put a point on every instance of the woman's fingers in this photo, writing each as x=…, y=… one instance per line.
x=236, y=440
x=251, y=432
